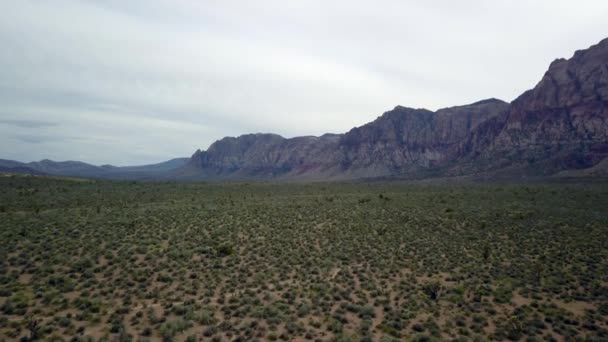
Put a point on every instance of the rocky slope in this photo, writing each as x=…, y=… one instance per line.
x=401, y=138
x=263, y=155
x=560, y=124
x=412, y=140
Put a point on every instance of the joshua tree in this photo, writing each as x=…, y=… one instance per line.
x=33, y=326
x=486, y=253
x=433, y=290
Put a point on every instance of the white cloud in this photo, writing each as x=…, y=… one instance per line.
x=172, y=76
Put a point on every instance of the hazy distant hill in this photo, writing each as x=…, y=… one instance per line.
x=80, y=169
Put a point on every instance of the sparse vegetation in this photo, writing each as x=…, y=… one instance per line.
x=129, y=261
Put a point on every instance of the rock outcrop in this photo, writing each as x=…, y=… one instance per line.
x=560, y=124
x=400, y=139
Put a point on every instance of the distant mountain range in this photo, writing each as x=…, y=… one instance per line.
x=557, y=129
x=80, y=169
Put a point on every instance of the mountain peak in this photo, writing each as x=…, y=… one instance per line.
x=404, y=108
x=491, y=100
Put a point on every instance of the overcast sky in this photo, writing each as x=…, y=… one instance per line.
x=142, y=81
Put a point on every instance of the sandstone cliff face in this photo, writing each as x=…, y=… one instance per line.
x=569, y=103
x=403, y=138
x=560, y=124
x=265, y=155
x=414, y=139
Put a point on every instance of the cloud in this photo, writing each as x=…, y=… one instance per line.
x=38, y=139
x=27, y=123
x=152, y=80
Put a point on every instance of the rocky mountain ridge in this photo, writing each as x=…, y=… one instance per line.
x=560, y=124
x=558, y=128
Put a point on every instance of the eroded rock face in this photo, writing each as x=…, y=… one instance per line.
x=400, y=138
x=266, y=155
x=560, y=124
x=570, y=103
x=407, y=138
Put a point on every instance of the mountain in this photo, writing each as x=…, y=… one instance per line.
x=80, y=169
x=403, y=138
x=67, y=168
x=557, y=129
x=20, y=169
x=561, y=124
x=153, y=168
x=413, y=141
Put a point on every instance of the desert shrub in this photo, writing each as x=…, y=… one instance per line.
x=503, y=294
x=224, y=250
x=170, y=328
x=432, y=289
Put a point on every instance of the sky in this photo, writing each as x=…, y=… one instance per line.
x=143, y=81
